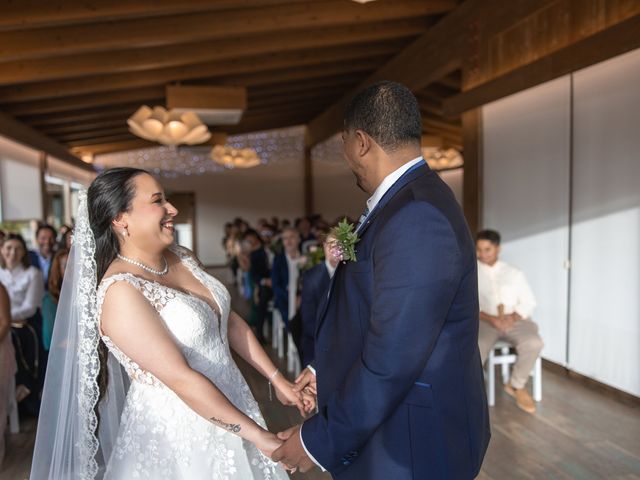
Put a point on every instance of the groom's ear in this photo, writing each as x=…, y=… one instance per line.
x=363, y=142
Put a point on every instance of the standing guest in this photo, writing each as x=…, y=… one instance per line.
x=306, y=236
x=25, y=288
x=7, y=363
x=41, y=258
x=285, y=272
x=506, y=306
x=259, y=275
x=51, y=297
x=315, y=284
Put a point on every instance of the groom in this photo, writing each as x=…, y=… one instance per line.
x=399, y=379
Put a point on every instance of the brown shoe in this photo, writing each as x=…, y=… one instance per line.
x=523, y=399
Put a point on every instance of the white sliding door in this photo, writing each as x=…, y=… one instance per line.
x=526, y=196
x=605, y=281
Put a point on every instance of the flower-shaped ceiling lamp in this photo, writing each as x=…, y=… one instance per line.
x=235, y=157
x=440, y=159
x=168, y=127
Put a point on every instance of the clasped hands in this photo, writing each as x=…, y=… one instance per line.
x=302, y=394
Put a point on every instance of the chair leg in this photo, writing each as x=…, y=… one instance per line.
x=504, y=367
x=491, y=384
x=537, y=380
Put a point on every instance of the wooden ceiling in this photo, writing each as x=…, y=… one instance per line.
x=75, y=70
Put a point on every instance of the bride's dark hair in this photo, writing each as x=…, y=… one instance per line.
x=109, y=194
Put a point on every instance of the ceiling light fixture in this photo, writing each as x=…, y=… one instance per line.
x=168, y=127
x=440, y=159
x=230, y=157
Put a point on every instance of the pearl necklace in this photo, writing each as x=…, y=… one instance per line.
x=144, y=267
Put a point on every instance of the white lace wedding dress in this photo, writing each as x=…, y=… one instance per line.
x=160, y=437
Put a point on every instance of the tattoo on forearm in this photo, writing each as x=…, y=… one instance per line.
x=232, y=427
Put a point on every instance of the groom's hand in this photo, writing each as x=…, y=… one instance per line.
x=291, y=452
x=306, y=380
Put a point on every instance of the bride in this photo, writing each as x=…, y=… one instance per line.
x=131, y=298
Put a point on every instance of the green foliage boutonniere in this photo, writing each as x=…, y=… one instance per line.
x=346, y=239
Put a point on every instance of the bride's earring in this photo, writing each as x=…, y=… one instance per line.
x=125, y=234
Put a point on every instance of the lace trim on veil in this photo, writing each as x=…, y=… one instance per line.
x=88, y=338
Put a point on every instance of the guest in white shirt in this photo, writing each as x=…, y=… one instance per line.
x=25, y=287
x=506, y=306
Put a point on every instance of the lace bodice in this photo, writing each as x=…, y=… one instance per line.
x=160, y=436
x=199, y=329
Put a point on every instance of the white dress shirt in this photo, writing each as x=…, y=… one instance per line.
x=504, y=284
x=25, y=288
x=388, y=182
x=330, y=268
x=293, y=264
x=373, y=201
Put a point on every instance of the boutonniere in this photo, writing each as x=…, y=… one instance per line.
x=346, y=238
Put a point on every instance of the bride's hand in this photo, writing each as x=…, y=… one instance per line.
x=286, y=394
x=268, y=443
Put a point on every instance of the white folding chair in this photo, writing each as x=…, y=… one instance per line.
x=505, y=358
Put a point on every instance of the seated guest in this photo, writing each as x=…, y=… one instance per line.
x=64, y=238
x=41, y=258
x=303, y=225
x=315, y=283
x=259, y=274
x=506, y=306
x=7, y=363
x=25, y=288
x=285, y=272
x=51, y=297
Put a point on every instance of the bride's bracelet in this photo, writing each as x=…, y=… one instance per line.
x=271, y=377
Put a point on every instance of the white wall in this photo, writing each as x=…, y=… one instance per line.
x=263, y=191
x=530, y=142
x=605, y=281
x=526, y=197
x=20, y=189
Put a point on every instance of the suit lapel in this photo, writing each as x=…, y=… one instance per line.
x=415, y=172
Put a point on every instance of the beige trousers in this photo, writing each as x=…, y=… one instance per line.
x=524, y=337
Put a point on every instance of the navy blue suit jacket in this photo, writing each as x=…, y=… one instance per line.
x=315, y=283
x=280, y=285
x=400, y=384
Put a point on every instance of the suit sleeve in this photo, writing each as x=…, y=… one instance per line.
x=416, y=270
x=309, y=305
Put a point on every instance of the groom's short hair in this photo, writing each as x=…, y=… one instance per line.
x=388, y=112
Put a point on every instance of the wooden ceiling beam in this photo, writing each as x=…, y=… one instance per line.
x=108, y=113
x=100, y=140
x=20, y=132
x=296, y=97
x=307, y=85
x=78, y=127
x=140, y=59
x=358, y=56
x=77, y=102
x=110, y=147
x=36, y=13
x=608, y=43
x=202, y=26
x=91, y=134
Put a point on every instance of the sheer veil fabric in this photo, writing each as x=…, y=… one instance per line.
x=69, y=443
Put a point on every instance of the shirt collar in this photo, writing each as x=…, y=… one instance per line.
x=330, y=268
x=388, y=182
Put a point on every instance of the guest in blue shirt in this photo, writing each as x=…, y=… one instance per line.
x=41, y=258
